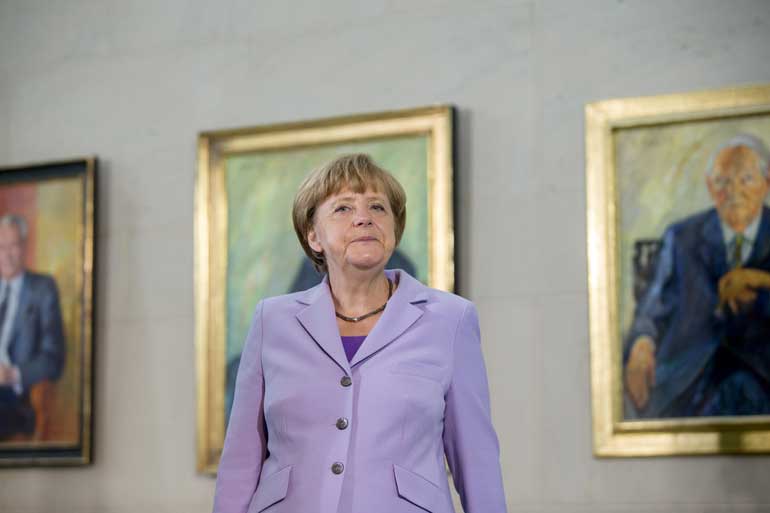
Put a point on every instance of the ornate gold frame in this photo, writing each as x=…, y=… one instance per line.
x=612, y=435
x=57, y=453
x=211, y=228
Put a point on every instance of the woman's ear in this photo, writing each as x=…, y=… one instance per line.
x=312, y=241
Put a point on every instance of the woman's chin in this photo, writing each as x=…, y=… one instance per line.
x=368, y=262
x=367, y=266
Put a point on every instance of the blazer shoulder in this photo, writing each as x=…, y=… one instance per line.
x=418, y=292
x=37, y=281
x=449, y=298
x=448, y=302
x=289, y=303
x=690, y=232
x=694, y=222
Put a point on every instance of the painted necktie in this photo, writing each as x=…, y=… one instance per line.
x=737, y=259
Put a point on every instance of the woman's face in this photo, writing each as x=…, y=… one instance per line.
x=354, y=230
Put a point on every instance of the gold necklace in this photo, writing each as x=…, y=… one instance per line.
x=373, y=312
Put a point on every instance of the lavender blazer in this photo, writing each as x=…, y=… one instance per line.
x=311, y=433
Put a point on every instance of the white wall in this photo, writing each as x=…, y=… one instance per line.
x=134, y=82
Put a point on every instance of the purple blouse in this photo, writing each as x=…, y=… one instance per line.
x=351, y=345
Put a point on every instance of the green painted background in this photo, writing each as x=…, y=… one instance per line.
x=661, y=174
x=264, y=254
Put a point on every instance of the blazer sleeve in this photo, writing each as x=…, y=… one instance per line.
x=470, y=442
x=246, y=440
x=656, y=308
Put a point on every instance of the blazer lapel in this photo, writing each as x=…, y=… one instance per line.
x=761, y=249
x=713, y=252
x=319, y=321
x=21, y=311
x=398, y=316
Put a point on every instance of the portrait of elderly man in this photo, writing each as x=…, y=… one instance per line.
x=31, y=334
x=699, y=344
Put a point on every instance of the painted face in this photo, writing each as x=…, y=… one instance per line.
x=11, y=252
x=737, y=186
x=354, y=230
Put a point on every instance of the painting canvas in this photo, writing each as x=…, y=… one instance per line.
x=679, y=272
x=46, y=262
x=252, y=251
x=664, y=174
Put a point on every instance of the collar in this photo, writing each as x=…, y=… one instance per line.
x=14, y=283
x=750, y=233
x=319, y=321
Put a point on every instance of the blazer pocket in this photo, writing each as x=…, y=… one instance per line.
x=416, y=489
x=271, y=489
x=420, y=369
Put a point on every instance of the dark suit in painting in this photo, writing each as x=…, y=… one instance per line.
x=709, y=360
x=36, y=347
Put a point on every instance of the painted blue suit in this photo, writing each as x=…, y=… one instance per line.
x=709, y=361
x=36, y=347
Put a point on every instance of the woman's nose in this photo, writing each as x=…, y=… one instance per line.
x=363, y=219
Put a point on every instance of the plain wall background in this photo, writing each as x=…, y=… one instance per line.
x=135, y=81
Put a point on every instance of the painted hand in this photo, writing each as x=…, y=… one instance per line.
x=738, y=288
x=7, y=375
x=640, y=371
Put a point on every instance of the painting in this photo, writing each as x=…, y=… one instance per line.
x=679, y=272
x=246, y=247
x=46, y=291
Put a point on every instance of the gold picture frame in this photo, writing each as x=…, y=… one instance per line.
x=243, y=171
x=679, y=131
x=51, y=206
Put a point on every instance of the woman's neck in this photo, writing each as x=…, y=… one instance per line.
x=358, y=293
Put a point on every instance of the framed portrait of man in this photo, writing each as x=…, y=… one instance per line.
x=46, y=290
x=679, y=272
x=246, y=247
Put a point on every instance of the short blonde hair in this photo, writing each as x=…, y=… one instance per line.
x=356, y=172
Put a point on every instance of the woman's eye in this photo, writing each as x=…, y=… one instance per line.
x=342, y=208
x=379, y=207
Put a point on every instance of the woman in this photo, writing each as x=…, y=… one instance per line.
x=349, y=394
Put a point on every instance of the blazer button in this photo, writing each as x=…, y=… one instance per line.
x=342, y=423
x=346, y=381
x=337, y=468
